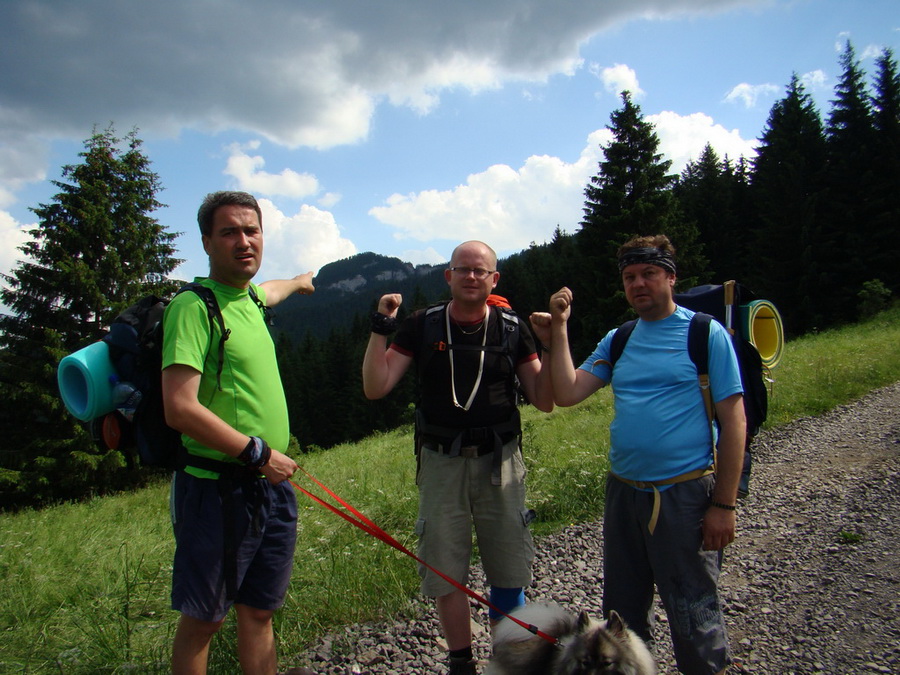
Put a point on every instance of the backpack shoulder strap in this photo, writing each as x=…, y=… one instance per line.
x=619, y=340
x=215, y=317
x=267, y=312
x=434, y=338
x=698, y=350
x=510, y=327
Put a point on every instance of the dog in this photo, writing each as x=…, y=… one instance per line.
x=585, y=646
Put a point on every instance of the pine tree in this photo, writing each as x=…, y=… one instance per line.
x=786, y=190
x=850, y=178
x=881, y=248
x=630, y=196
x=708, y=192
x=95, y=250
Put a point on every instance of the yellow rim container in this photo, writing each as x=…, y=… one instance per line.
x=761, y=324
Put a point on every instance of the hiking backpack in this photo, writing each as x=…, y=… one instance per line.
x=135, y=341
x=434, y=338
x=749, y=365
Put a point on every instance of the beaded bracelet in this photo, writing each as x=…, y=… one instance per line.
x=727, y=507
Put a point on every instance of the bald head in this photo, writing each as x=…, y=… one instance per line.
x=474, y=247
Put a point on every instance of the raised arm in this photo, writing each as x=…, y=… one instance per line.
x=534, y=375
x=570, y=386
x=278, y=290
x=382, y=367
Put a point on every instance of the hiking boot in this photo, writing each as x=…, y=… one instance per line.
x=462, y=666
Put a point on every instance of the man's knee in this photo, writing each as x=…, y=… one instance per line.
x=254, y=614
x=198, y=627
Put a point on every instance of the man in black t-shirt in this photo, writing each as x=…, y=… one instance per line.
x=467, y=434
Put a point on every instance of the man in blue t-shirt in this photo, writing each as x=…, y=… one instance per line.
x=668, y=515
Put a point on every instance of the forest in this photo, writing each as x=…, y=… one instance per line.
x=810, y=223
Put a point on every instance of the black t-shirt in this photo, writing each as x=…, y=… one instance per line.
x=494, y=401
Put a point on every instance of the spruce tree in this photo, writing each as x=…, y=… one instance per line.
x=881, y=248
x=709, y=194
x=786, y=190
x=850, y=177
x=95, y=249
x=629, y=196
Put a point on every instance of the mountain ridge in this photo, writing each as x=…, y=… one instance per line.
x=350, y=287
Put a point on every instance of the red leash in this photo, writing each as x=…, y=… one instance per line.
x=366, y=525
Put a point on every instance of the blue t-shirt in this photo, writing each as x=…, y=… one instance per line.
x=660, y=429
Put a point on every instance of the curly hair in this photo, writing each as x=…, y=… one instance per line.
x=659, y=241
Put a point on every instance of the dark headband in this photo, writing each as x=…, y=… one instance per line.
x=647, y=256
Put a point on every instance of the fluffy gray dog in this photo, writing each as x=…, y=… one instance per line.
x=585, y=646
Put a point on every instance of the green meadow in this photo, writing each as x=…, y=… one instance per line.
x=85, y=586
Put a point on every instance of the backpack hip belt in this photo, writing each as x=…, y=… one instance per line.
x=654, y=485
x=451, y=441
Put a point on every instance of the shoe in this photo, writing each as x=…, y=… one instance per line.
x=462, y=667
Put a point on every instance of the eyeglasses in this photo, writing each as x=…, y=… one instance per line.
x=478, y=272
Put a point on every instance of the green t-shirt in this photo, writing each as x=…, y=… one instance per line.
x=252, y=397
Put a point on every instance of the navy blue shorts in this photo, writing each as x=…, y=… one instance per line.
x=264, y=518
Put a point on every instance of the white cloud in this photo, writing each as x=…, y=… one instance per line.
x=12, y=236
x=520, y=206
x=683, y=137
x=871, y=52
x=617, y=79
x=750, y=94
x=841, y=41
x=247, y=170
x=304, y=241
x=501, y=204
x=329, y=199
x=815, y=80
x=23, y=160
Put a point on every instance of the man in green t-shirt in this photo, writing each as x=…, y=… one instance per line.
x=235, y=528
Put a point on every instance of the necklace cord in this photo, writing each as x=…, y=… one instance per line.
x=477, y=385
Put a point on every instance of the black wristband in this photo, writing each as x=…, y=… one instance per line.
x=266, y=455
x=256, y=454
x=382, y=324
x=727, y=507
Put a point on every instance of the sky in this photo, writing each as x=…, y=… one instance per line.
x=401, y=127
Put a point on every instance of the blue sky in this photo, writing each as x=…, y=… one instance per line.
x=402, y=126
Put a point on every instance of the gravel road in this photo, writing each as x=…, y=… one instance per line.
x=811, y=585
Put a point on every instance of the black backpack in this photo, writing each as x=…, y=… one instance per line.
x=749, y=364
x=135, y=342
x=434, y=338
x=714, y=300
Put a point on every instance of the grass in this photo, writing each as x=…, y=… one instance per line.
x=86, y=586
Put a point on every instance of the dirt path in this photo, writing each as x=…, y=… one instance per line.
x=810, y=586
